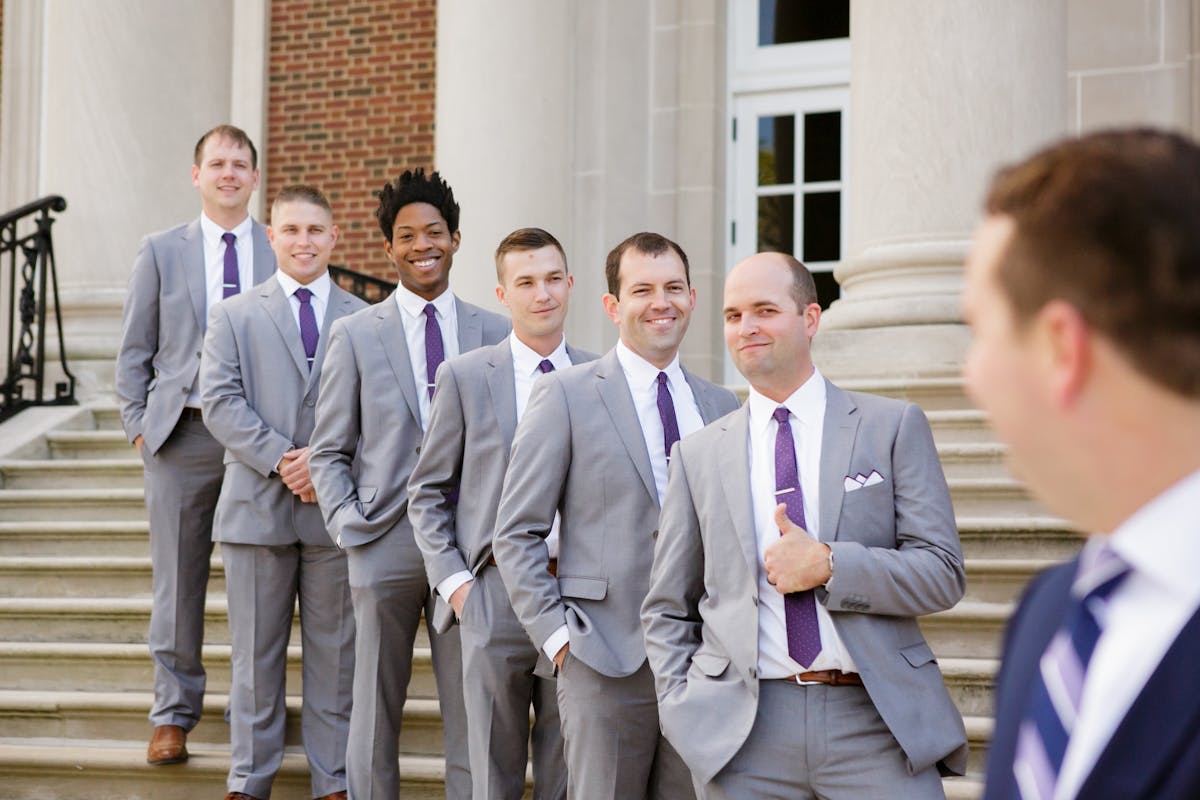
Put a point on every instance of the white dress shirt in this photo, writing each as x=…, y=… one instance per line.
x=214, y=271
x=320, y=288
x=807, y=420
x=642, y=377
x=412, y=313
x=1143, y=617
x=525, y=372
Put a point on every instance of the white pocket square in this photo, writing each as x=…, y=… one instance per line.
x=853, y=483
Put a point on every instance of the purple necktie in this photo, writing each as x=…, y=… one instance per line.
x=229, y=281
x=666, y=410
x=309, y=333
x=1053, y=706
x=799, y=608
x=546, y=366
x=435, y=354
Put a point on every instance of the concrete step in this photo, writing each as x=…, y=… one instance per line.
x=126, y=667
x=123, y=716
x=63, y=473
x=932, y=394
x=57, y=537
x=959, y=425
x=1001, y=580
x=973, y=459
x=996, y=496
x=85, y=576
x=1020, y=536
x=105, y=416
x=108, y=443
x=979, y=740
x=969, y=630
x=970, y=682
x=93, y=619
x=79, y=505
x=111, y=770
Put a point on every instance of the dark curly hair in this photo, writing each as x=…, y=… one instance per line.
x=414, y=187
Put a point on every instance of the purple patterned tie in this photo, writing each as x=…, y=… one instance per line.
x=229, y=281
x=666, y=410
x=545, y=366
x=309, y=333
x=799, y=608
x=435, y=354
x=1053, y=706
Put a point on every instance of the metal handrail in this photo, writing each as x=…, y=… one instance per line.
x=31, y=256
x=367, y=287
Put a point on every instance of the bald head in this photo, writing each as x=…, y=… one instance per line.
x=771, y=315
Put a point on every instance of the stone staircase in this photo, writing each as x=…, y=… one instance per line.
x=75, y=674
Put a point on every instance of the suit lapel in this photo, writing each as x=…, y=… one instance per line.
x=837, y=444
x=340, y=304
x=736, y=484
x=704, y=399
x=191, y=261
x=390, y=329
x=264, y=256
x=278, y=308
x=1163, y=718
x=470, y=326
x=615, y=393
x=503, y=389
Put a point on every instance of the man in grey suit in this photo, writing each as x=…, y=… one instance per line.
x=179, y=275
x=374, y=405
x=593, y=447
x=800, y=538
x=479, y=399
x=258, y=381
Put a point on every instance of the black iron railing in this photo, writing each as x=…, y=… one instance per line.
x=27, y=261
x=367, y=287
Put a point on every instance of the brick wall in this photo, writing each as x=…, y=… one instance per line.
x=351, y=104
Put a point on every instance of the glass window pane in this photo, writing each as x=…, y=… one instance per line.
x=822, y=226
x=827, y=289
x=823, y=146
x=787, y=21
x=776, y=223
x=776, y=150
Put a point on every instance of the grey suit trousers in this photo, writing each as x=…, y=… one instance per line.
x=499, y=686
x=615, y=749
x=263, y=583
x=182, y=480
x=819, y=741
x=390, y=590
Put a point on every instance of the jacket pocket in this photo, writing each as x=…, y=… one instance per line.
x=917, y=654
x=583, y=588
x=366, y=494
x=711, y=664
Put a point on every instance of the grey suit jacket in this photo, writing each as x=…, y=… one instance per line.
x=259, y=401
x=162, y=328
x=471, y=424
x=896, y=556
x=368, y=429
x=579, y=449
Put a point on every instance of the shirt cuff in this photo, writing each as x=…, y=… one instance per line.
x=555, y=642
x=450, y=585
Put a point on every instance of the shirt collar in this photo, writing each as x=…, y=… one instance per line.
x=212, y=231
x=640, y=373
x=320, y=287
x=1161, y=541
x=526, y=359
x=414, y=305
x=807, y=404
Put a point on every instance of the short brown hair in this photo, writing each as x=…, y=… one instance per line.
x=652, y=244
x=1110, y=223
x=236, y=134
x=523, y=240
x=804, y=288
x=301, y=192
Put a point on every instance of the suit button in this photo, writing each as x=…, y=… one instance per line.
x=310, y=403
x=417, y=450
x=755, y=599
x=184, y=390
x=753, y=672
x=654, y=535
x=197, y=354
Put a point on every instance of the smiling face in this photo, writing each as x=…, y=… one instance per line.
x=422, y=249
x=768, y=334
x=654, y=304
x=225, y=178
x=303, y=236
x=536, y=290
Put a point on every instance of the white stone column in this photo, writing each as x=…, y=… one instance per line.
x=941, y=94
x=113, y=95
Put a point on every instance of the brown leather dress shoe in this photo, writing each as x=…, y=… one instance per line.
x=168, y=745
x=334, y=796
x=239, y=796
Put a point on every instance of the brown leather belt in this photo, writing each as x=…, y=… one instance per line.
x=552, y=567
x=831, y=677
x=191, y=414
